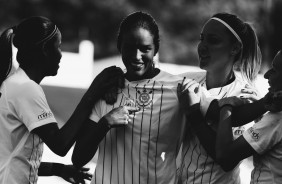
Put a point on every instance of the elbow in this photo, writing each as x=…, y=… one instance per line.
x=59, y=150
x=77, y=160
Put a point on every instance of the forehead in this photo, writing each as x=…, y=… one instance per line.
x=214, y=27
x=138, y=35
x=277, y=61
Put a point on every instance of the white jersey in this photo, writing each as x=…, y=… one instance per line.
x=197, y=166
x=265, y=137
x=23, y=107
x=145, y=150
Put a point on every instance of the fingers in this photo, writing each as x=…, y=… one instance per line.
x=131, y=109
x=85, y=169
x=188, y=86
x=250, y=97
x=249, y=91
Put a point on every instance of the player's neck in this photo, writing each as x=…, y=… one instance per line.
x=214, y=80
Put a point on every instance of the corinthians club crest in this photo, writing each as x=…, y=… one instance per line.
x=144, y=99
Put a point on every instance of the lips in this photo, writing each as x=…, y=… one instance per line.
x=137, y=66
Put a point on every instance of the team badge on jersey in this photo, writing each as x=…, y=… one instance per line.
x=144, y=99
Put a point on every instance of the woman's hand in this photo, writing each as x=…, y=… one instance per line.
x=250, y=93
x=74, y=175
x=120, y=116
x=189, y=95
x=107, y=83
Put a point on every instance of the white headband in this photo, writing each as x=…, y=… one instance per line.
x=48, y=37
x=230, y=29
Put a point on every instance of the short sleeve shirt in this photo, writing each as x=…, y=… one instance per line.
x=144, y=151
x=197, y=166
x=265, y=137
x=23, y=107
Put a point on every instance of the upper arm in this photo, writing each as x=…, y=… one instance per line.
x=30, y=106
x=47, y=133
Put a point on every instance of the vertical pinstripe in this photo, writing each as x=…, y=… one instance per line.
x=150, y=125
x=140, y=141
x=142, y=148
x=259, y=174
x=204, y=168
x=111, y=171
x=211, y=172
x=190, y=161
x=105, y=140
x=160, y=112
x=196, y=167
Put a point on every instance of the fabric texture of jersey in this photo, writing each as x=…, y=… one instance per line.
x=197, y=166
x=144, y=151
x=23, y=107
x=265, y=137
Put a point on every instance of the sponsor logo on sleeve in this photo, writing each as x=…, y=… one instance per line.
x=254, y=133
x=239, y=131
x=44, y=115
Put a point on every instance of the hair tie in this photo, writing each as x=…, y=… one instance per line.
x=48, y=37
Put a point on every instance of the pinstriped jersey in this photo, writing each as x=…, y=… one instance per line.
x=197, y=166
x=23, y=107
x=265, y=137
x=145, y=150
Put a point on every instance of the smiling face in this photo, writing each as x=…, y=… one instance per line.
x=215, y=47
x=138, y=50
x=274, y=75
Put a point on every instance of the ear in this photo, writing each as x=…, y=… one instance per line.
x=236, y=48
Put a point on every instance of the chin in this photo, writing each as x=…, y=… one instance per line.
x=203, y=65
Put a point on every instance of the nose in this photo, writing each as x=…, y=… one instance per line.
x=138, y=54
x=202, y=49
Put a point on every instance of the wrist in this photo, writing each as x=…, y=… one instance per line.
x=57, y=169
x=105, y=123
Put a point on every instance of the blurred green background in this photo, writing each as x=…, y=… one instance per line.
x=180, y=22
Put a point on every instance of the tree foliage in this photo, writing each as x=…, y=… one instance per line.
x=180, y=22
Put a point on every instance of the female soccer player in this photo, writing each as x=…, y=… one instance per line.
x=262, y=140
x=145, y=149
x=26, y=119
x=226, y=43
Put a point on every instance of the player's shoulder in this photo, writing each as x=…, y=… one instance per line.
x=167, y=77
x=23, y=88
x=197, y=75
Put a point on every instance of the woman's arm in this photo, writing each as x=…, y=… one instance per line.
x=248, y=112
x=204, y=132
x=61, y=140
x=67, y=172
x=241, y=115
x=230, y=152
x=88, y=141
x=92, y=133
